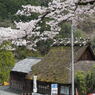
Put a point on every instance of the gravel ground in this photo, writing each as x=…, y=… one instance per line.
x=6, y=90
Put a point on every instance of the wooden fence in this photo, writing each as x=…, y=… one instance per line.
x=25, y=94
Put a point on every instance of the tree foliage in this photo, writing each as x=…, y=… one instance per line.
x=22, y=52
x=87, y=25
x=81, y=83
x=85, y=82
x=6, y=62
x=9, y=7
x=43, y=46
x=90, y=81
x=65, y=31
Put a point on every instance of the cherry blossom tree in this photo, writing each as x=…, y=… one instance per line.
x=58, y=11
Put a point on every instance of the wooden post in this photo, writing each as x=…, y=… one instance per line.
x=35, y=84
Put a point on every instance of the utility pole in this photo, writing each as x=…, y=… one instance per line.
x=72, y=48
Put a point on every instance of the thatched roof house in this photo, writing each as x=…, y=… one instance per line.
x=56, y=65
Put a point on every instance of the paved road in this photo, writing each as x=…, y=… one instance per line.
x=6, y=90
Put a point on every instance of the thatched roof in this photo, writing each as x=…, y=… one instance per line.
x=84, y=66
x=55, y=66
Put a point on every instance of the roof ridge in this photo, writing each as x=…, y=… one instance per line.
x=67, y=42
x=34, y=57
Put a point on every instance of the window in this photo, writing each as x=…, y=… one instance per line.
x=64, y=90
x=43, y=88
